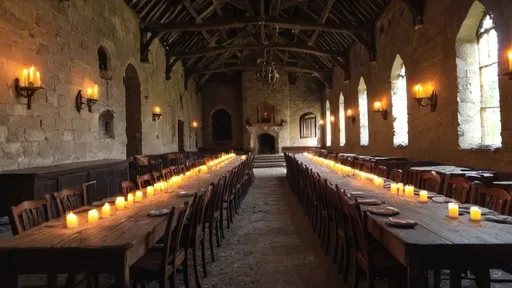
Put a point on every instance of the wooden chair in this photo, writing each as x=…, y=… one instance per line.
x=341, y=225
x=127, y=187
x=212, y=217
x=458, y=188
x=167, y=173
x=396, y=175
x=370, y=255
x=430, y=181
x=492, y=198
x=29, y=214
x=144, y=181
x=160, y=264
x=70, y=199
x=381, y=171
x=157, y=176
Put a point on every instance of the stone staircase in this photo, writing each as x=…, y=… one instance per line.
x=269, y=161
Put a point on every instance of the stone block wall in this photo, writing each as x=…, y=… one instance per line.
x=429, y=55
x=61, y=39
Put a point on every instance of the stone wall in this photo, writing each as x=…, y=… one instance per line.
x=429, y=55
x=61, y=39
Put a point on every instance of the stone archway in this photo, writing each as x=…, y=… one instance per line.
x=133, y=112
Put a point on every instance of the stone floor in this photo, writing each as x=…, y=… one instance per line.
x=271, y=244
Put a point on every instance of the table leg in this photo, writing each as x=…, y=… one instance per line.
x=483, y=278
x=123, y=277
x=455, y=278
x=414, y=276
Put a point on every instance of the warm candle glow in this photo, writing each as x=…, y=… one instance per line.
x=93, y=216
x=399, y=188
x=475, y=214
x=71, y=220
x=157, y=110
x=321, y=122
x=138, y=196
x=332, y=118
x=423, y=196
x=150, y=192
x=94, y=94
x=194, y=124
x=89, y=93
x=24, y=78
x=129, y=200
x=31, y=72
x=453, y=210
x=510, y=60
x=120, y=203
x=350, y=113
x=377, y=106
x=37, y=81
x=409, y=191
x=105, y=211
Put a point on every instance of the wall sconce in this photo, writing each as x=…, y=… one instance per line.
x=377, y=107
x=28, y=85
x=426, y=96
x=350, y=115
x=321, y=122
x=509, y=73
x=333, y=119
x=194, y=124
x=90, y=99
x=157, y=113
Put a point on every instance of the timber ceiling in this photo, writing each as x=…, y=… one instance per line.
x=298, y=36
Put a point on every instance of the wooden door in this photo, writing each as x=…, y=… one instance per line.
x=181, y=138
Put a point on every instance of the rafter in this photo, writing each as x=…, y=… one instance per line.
x=145, y=43
x=318, y=72
x=242, y=22
x=321, y=20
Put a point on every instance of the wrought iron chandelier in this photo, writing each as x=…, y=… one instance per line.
x=268, y=74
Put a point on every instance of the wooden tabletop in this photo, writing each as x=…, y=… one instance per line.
x=437, y=241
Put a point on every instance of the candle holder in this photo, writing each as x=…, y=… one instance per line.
x=157, y=113
x=351, y=116
x=80, y=103
x=377, y=107
x=425, y=99
x=26, y=91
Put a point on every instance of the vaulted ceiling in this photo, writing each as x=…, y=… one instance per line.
x=298, y=36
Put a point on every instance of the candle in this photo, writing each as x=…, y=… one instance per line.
x=105, y=211
x=95, y=92
x=510, y=61
x=37, y=81
x=31, y=75
x=350, y=113
x=138, y=196
x=399, y=188
x=129, y=202
x=377, y=106
x=150, y=192
x=93, y=216
x=475, y=214
x=409, y=191
x=423, y=196
x=120, y=203
x=71, y=220
x=157, y=110
x=24, y=78
x=453, y=210
x=164, y=186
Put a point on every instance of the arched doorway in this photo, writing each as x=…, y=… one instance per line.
x=133, y=112
x=266, y=144
x=221, y=126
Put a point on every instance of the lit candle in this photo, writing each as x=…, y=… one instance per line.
x=163, y=186
x=71, y=220
x=150, y=192
x=350, y=113
x=95, y=92
x=138, y=196
x=423, y=196
x=89, y=93
x=24, y=78
x=31, y=75
x=129, y=202
x=204, y=168
x=37, y=81
x=409, y=191
x=157, y=110
x=510, y=61
x=105, y=211
x=377, y=106
x=453, y=210
x=475, y=214
x=399, y=188
x=120, y=203
x=93, y=216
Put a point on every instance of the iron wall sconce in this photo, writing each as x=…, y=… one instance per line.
x=321, y=122
x=333, y=119
x=509, y=73
x=426, y=97
x=350, y=115
x=377, y=107
x=194, y=124
x=157, y=113
x=89, y=100
x=28, y=85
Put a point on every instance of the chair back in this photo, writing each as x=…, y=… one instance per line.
x=29, y=214
x=144, y=181
x=458, y=188
x=381, y=171
x=157, y=176
x=492, y=198
x=127, y=187
x=359, y=232
x=172, y=237
x=396, y=175
x=430, y=181
x=167, y=173
x=70, y=199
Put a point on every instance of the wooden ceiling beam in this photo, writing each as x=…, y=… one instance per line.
x=196, y=16
x=220, y=50
x=242, y=22
x=244, y=5
x=321, y=20
x=258, y=68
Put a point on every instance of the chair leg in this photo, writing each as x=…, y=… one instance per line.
x=217, y=233
x=328, y=238
x=210, y=238
x=196, y=267
x=185, y=270
x=203, y=257
x=336, y=247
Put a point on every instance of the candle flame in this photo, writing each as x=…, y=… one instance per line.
x=377, y=106
x=350, y=113
x=157, y=110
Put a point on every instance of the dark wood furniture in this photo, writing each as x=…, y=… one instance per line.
x=70, y=199
x=492, y=198
x=29, y=214
x=33, y=183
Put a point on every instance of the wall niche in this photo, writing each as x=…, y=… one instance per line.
x=106, y=122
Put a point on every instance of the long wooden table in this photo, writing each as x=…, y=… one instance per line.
x=110, y=246
x=437, y=242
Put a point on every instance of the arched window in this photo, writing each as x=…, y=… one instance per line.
x=477, y=74
x=328, y=123
x=342, y=119
x=363, y=113
x=221, y=125
x=307, y=125
x=399, y=102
